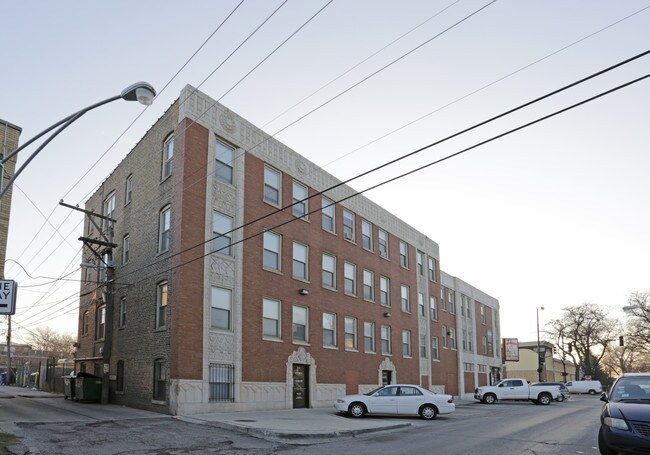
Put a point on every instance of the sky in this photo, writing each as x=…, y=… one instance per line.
x=550, y=216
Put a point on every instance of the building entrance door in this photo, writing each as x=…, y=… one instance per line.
x=300, y=386
x=386, y=377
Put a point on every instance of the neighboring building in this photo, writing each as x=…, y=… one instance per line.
x=298, y=307
x=475, y=334
x=552, y=371
x=10, y=135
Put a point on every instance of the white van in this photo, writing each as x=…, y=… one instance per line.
x=590, y=387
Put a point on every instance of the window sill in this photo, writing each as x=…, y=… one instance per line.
x=276, y=271
x=273, y=339
x=351, y=350
x=387, y=354
x=160, y=329
x=271, y=204
x=370, y=352
x=302, y=280
x=349, y=294
x=330, y=289
x=301, y=343
x=369, y=300
x=333, y=348
x=158, y=402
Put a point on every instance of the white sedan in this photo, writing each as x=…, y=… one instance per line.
x=401, y=399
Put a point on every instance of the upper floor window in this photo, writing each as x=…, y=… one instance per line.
x=125, y=249
x=222, y=233
x=122, y=317
x=406, y=343
x=403, y=254
x=368, y=285
x=327, y=214
x=383, y=243
x=484, y=345
x=271, y=318
x=329, y=329
x=272, y=185
x=300, y=194
x=168, y=157
x=100, y=323
x=366, y=234
x=385, y=339
x=483, y=317
x=350, y=333
x=221, y=302
x=128, y=189
x=369, y=336
x=109, y=212
x=271, y=256
x=419, y=256
x=432, y=269
x=300, y=324
x=164, y=232
x=225, y=156
x=161, y=304
x=84, y=324
x=406, y=304
x=348, y=225
x=433, y=305
x=423, y=346
x=350, y=278
x=421, y=307
x=329, y=271
x=452, y=338
x=435, y=349
x=384, y=291
x=300, y=260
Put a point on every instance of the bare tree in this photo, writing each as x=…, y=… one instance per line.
x=583, y=333
x=638, y=322
x=46, y=339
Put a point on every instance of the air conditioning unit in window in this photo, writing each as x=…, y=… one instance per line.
x=347, y=236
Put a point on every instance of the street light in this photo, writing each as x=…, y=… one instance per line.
x=142, y=92
x=539, y=359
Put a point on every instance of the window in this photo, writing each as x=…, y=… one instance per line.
x=161, y=304
x=221, y=303
x=222, y=382
x=483, y=317
x=452, y=338
x=271, y=255
x=225, y=156
x=385, y=339
x=100, y=323
x=122, y=318
x=383, y=243
x=300, y=255
x=452, y=303
x=419, y=259
x=348, y=225
x=369, y=336
x=329, y=329
x=271, y=318
x=329, y=271
x=432, y=269
x=470, y=342
x=484, y=346
x=469, y=367
x=433, y=305
x=435, y=351
x=350, y=278
x=421, y=307
x=168, y=157
x=109, y=212
x=327, y=214
x=125, y=249
x=482, y=368
x=469, y=308
x=423, y=346
x=159, y=380
x=384, y=294
x=128, y=189
x=444, y=336
x=300, y=327
x=119, y=379
x=222, y=233
x=464, y=340
x=406, y=343
x=350, y=333
x=272, y=179
x=368, y=285
x=164, y=231
x=406, y=304
x=84, y=323
x=403, y=255
x=443, y=302
x=366, y=234
x=300, y=195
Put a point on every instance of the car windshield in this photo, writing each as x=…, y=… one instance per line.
x=374, y=390
x=633, y=388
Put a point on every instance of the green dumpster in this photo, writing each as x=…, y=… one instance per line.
x=68, y=387
x=88, y=387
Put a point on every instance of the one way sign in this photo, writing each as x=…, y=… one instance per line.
x=7, y=296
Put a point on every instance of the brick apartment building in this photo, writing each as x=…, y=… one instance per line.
x=298, y=307
x=10, y=138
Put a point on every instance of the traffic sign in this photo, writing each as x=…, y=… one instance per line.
x=8, y=296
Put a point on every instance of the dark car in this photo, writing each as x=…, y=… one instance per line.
x=625, y=419
x=564, y=392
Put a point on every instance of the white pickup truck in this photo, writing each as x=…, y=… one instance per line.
x=517, y=389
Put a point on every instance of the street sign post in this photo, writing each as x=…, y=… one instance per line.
x=8, y=296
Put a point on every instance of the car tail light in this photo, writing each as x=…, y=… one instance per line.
x=451, y=400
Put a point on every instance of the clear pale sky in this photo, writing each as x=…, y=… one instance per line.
x=553, y=215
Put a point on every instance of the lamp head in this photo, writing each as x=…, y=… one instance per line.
x=141, y=92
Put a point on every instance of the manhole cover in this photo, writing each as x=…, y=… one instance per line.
x=245, y=420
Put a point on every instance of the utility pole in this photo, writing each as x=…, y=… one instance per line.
x=103, y=252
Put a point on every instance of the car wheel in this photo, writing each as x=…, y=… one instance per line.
x=490, y=398
x=560, y=399
x=357, y=410
x=592, y=392
x=545, y=399
x=603, y=448
x=428, y=412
